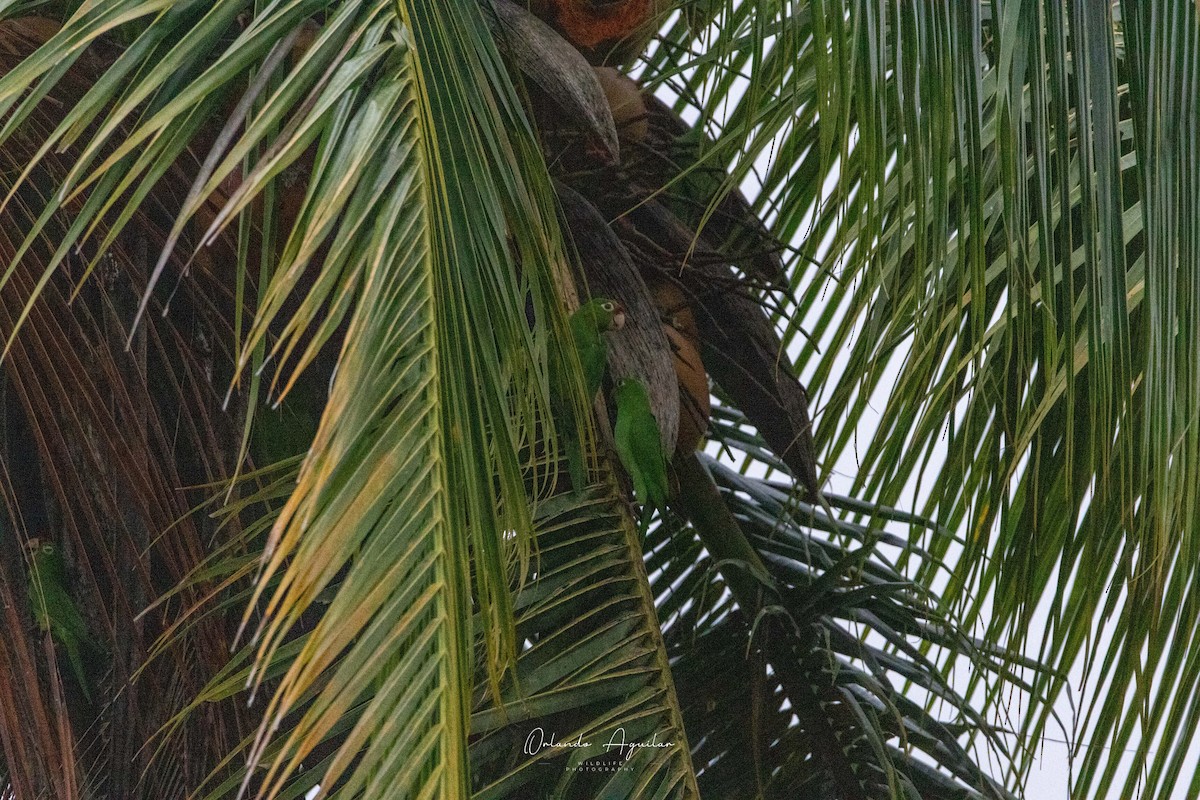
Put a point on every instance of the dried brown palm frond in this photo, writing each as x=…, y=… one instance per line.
x=100, y=444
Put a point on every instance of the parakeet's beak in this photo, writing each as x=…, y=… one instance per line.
x=33, y=544
x=619, y=318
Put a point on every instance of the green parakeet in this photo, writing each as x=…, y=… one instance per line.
x=588, y=325
x=54, y=610
x=639, y=445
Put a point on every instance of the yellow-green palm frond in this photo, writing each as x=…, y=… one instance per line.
x=393, y=239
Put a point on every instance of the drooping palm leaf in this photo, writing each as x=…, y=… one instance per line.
x=415, y=251
x=430, y=298
x=1008, y=229
x=854, y=628
x=590, y=671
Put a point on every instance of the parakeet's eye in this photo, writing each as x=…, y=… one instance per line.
x=609, y=306
x=48, y=548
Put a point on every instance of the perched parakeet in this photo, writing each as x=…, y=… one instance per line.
x=588, y=325
x=53, y=608
x=639, y=445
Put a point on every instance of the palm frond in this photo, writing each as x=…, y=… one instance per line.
x=591, y=671
x=825, y=702
x=99, y=443
x=423, y=237
x=999, y=216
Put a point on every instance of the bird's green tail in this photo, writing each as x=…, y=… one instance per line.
x=77, y=667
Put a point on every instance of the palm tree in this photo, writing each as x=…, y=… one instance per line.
x=289, y=390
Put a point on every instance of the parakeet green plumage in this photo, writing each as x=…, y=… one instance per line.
x=639, y=445
x=588, y=325
x=54, y=610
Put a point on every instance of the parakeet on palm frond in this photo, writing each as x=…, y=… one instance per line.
x=55, y=611
x=639, y=445
x=588, y=325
